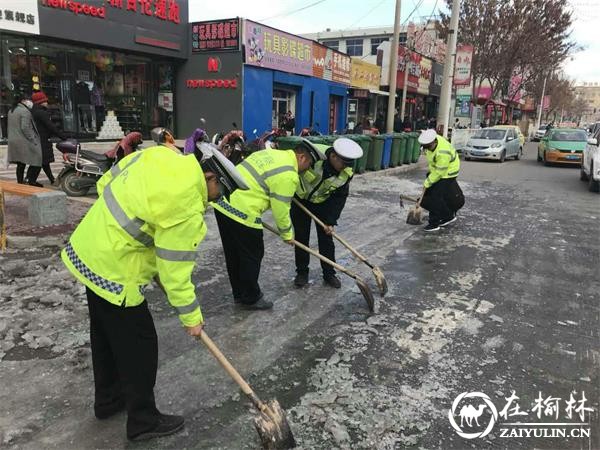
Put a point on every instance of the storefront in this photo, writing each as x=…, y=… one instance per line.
x=285, y=73
x=362, y=104
x=244, y=74
x=107, y=67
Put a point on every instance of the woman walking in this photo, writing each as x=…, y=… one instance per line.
x=46, y=129
x=24, y=147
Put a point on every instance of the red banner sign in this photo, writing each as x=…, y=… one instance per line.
x=216, y=35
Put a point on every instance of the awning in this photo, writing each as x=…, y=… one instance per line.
x=377, y=92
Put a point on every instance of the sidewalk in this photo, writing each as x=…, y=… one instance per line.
x=22, y=235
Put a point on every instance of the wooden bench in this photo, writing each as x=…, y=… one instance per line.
x=46, y=206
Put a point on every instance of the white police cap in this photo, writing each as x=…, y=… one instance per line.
x=427, y=137
x=347, y=149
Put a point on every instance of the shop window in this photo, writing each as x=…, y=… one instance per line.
x=335, y=45
x=354, y=47
x=375, y=43
x=402, y=39
x=14, y=75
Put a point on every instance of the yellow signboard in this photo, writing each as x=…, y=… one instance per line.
x=364, y=75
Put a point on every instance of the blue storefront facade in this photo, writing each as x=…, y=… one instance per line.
x=253, y=77
x=315, y=100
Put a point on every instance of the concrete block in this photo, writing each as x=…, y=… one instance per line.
x=48, y=208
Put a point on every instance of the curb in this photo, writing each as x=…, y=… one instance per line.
x=420, y=165
x=27, y=242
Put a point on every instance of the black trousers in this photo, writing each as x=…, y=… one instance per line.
x=442, y=200
x=244, y=250
x=125, y=360
x=302, y=223
x=33, y=172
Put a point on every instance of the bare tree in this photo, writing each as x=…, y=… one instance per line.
x=513, y=40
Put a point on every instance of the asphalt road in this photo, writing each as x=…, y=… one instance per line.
x=507, y=299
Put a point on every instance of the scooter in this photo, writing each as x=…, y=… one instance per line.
x=82, y=168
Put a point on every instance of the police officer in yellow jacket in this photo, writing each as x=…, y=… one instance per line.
x=442, y=195
x=323, y=190
x=272, y=176
x=146, y=224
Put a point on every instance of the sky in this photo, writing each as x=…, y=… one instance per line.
x=343, y=14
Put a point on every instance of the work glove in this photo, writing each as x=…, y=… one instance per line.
x=190, y=143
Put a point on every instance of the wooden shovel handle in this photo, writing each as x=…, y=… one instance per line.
x=312, y=252
x=231, y=370
x=334, y=234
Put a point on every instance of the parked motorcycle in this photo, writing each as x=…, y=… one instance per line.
x=232, y=144
x=309, y=131
x=83, y=168
x=266, y=140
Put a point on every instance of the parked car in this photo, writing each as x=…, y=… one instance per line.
x=562, y=145
x=590, y=165
x=517, y=130
x=493, y=143
x=539, y=133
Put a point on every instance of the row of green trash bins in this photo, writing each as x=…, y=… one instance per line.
x=380, y=151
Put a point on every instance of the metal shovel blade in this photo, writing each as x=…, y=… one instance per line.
x=415, y=216
x=380, y=280
x=367, y=294
x=273, y=428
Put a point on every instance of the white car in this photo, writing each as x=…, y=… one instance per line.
x=539, y=133
x=590, y=165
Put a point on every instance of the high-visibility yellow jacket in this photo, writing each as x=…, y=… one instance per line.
x=315, y=187
x=272, y=176
x=147, y=221
x=443, y=162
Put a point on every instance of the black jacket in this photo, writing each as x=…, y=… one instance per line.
x=46, y=129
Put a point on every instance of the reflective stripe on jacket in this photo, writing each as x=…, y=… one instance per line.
x=272, y=176
x=147, y=221
x=315, y=189
x=443, y=162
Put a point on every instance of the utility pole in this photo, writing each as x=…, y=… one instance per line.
x=444, y=112
x=404, y=87
x=539, y=120
x=393, y=71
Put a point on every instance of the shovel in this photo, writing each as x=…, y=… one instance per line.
x=364, y=288
x=415, y=214
x=377, y=272
x=271, y=424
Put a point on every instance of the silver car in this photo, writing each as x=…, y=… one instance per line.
x=539, y=133
x=493, y=143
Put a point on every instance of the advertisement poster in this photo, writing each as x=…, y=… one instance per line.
x=216, y=35
x=274, y=49
x=165, y=101
x=425, y=67
x=462, y=66
x=364, y=75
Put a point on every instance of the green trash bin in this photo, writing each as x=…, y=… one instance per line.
x=288, y=142
x=376, y=153
x=364, y=141
x=316, y=139
x=402, y=148
x=395, y=158
x=416, y=149
x=410, y=143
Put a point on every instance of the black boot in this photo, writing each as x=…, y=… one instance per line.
x=332, y=281
x=166, y=425
x=301, y=280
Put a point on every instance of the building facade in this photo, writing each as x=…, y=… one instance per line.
x=94, y=59
x=589, y=93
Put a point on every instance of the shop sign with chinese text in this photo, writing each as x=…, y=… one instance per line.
x=330, y=64
x=273, y=49
x=216, y=35
x=20, y=15
x=364, y=75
